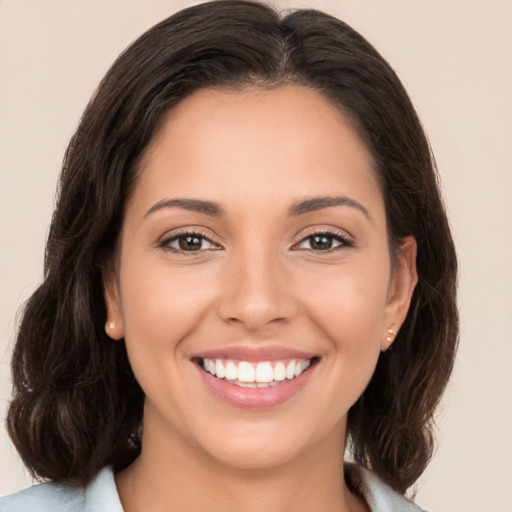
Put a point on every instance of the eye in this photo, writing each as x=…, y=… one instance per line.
x=188, y=242
x=323, y=242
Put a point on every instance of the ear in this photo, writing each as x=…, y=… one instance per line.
x=114, y=324
x=401, y=287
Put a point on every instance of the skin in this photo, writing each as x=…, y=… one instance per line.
x=255, y=282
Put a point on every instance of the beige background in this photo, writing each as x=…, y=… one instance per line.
x=454, y=58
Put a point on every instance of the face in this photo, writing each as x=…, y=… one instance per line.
x=254, y=285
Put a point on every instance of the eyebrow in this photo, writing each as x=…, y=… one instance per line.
x=193, y=205
x=214, y=210
x=318, y=203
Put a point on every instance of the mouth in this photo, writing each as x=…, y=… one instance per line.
x=255, y=378
x=255, y=374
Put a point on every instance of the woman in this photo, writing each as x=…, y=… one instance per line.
x=249, y=271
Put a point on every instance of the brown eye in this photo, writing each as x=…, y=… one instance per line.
x=188, y=242
x=321, y=242
x=324, y=242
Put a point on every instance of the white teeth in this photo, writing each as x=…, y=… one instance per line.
x=300, y=367
x=231, y=371
x=264, y=372
x=245, y=372
x=220, y=371
x=245, y=384
x=279, y=371
x=290, y=370
x=261, y=375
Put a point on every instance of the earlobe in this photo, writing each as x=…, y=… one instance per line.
x=403, y=282
x=114, y=323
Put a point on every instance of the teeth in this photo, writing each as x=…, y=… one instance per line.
x=261, y=375
x=299, y=368
x=245, y=372
x=246, y=384
x=290, y=370
x=279, y=372
x=231, y=371
x=220, y=371
x=264, y=373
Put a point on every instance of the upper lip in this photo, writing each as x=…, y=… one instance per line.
x=254, y=354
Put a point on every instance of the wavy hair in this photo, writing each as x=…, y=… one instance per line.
x=76, y=404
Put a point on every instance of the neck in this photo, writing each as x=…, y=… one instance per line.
x=191, y=480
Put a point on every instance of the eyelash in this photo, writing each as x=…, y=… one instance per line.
x=343, y=239
x=165, y=243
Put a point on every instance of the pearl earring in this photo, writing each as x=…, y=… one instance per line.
x=391, y=335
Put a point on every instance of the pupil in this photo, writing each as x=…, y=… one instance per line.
x=320, y=242
x=190, y=243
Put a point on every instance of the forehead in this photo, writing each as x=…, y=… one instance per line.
x=256, y=144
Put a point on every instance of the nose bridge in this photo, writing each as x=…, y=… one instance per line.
x=255, y=293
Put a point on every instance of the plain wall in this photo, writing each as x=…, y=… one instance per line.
x=454, y=58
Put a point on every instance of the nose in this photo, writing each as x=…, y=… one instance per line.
x=256, y=292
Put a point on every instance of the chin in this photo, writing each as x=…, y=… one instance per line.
x=265, y=445
x=256, y=456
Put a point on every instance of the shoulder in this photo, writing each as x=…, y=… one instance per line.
x=379, y=496
x=45, y=497
x=100, y=494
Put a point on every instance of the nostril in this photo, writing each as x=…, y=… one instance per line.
x=254, y=322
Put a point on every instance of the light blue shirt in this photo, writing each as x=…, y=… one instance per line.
x=101, y=496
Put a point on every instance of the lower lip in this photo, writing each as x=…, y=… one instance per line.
x=254, y=398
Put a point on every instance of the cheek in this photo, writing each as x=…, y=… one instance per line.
x=349, y=304
x=348, y=311
x=160, y=308
x=156, y=298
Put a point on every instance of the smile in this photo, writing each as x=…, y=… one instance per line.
x=255, y=378
x=263, y=374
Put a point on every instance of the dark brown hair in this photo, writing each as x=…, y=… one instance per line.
x=77, y=405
